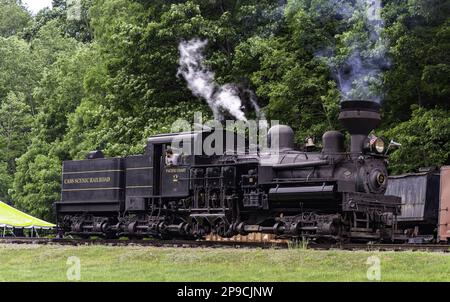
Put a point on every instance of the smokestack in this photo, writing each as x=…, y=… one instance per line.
x=359, y=118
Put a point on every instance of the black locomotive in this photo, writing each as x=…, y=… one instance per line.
x=334, y=193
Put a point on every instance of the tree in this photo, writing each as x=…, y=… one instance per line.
x=286, y=73
x=37, y=180
x=50, y=43
x=61, y=90
x=19, y=72
x=425, y=140
x=139, y=47
x=6, y=180
x=15, y=126
x=14, y=18
x=419, y=33
x=72, y=17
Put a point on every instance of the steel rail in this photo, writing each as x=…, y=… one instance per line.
x=150, y=242
x=232, y=244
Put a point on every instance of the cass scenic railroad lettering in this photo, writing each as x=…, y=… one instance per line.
x=88, y=180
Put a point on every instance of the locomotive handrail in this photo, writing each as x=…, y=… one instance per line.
x=300, y=180
x=221, y=165
x=301, y=165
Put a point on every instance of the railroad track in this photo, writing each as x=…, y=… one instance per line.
x=151, y=242
x=231, y=244
x=390, y=247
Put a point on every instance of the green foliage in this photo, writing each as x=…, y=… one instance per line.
x=419, y=33
x=50, y=43
x=425, y=140
x=37, y=180
x=18, y=71
x=288, y=74
x=6, y=180
x=73, y=20
x=61, y=90
x=15, y=126
x=13, y=18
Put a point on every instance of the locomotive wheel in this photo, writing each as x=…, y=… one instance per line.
x=223, y=229
x=199, y=230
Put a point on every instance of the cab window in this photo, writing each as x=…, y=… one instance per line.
x=172, y=156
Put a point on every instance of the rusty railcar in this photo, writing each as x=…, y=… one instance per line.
x=425, y=203
x=444, y=206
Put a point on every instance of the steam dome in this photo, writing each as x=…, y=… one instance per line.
x=281, y=137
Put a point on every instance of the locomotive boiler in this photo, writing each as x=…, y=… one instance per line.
x=333, y=194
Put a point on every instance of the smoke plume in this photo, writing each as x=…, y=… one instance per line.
x=358, y=72
x=200, y=81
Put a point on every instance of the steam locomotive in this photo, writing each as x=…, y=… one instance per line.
x=334, y=193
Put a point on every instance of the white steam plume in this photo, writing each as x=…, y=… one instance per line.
x=259, y=113
x=201, y=82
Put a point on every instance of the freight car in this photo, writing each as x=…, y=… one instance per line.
x=425, y=203
x=334, y=193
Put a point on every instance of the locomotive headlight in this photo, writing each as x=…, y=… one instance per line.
x=375, y=144
x=379, y=145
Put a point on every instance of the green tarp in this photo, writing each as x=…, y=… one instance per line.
x=11, y=217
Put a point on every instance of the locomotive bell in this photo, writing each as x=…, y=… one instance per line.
x=309, y=142
x=281, y=137
x=359, y=118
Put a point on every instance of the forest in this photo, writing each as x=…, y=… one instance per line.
x=103, y=75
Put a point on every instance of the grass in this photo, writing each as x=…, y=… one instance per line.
x=108, y=263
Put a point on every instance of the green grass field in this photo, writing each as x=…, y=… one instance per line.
x=107, y=263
